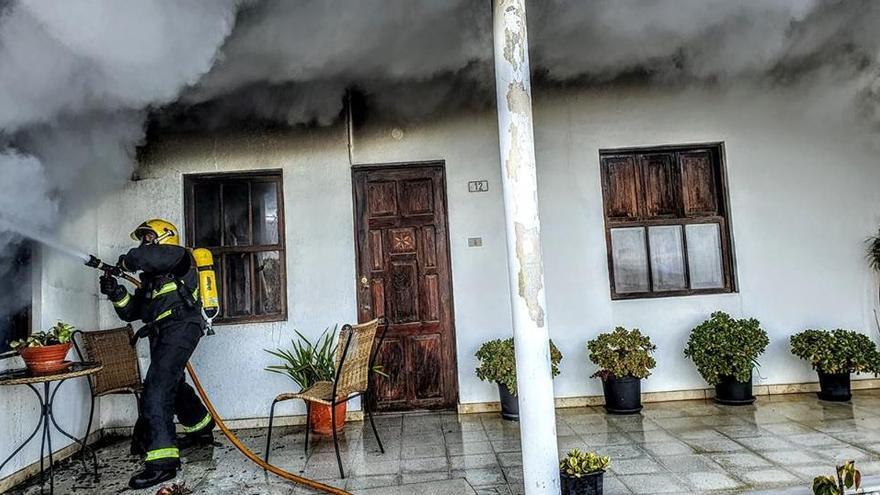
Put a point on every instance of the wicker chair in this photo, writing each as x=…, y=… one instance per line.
x=121, y=373
x=354, y=363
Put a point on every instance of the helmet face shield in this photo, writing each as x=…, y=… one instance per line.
x=144, y=235
x=156, y=231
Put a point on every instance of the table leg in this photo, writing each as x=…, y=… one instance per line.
x=29, y=438
x=46, y=415
x=82, y=443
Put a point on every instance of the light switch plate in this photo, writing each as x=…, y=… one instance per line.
x=475, y=242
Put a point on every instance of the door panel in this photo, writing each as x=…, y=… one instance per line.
x=404, y=275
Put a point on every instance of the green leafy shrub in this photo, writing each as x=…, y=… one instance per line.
x=498, y=362
x=622, y=353
x=725, y=346
x=308, y=363
x=59, y=334
x=838, y=351
x=847, y=477
x=578, y=463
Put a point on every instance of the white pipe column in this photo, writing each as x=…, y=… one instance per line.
x=525, y=265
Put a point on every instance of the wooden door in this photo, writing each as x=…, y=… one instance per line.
x=404, y=278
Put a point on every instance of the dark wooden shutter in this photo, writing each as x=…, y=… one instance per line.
x=699, y=185
x=620, y=185
x=661, y=185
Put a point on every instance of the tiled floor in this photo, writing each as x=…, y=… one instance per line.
x=672, y=447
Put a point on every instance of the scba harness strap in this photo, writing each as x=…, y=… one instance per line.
x=189, y=299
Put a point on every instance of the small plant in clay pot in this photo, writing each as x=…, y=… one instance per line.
x=834, y=355
x=497, y=363
x=45, y=352
x=307, y=363
x=581, y=473
x=624, y=359
x=725, y=350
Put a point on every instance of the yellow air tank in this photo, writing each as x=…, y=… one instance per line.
x=207, y=282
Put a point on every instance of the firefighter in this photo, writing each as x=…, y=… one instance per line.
x=168, y=304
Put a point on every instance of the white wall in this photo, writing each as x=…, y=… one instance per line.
x=320, y=267
x=63, y=290
x=803, y=199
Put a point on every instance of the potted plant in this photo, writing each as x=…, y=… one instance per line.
x=581, y=473
x=624, y=359
x=308, y=363
x=847, y=477
x=45, y=352
x=874, y=252
x=497, y=363
x=725, y=350
x=834, y=355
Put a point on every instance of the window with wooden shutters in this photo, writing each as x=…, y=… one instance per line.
x=240, y=218
x=666, y=221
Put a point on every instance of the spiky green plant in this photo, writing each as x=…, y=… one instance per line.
x=307, y=363
x=874, y=251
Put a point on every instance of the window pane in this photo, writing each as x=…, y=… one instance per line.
x=206, y=205
x=265, y=214
x=704, y=256
x=269, y=290
x=236, y=230
x=667, y=257
x=630, y=260
x=238, y=284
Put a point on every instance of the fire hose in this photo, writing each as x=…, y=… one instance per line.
x=116, y=272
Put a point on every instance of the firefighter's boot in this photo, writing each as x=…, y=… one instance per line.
x=151, y=476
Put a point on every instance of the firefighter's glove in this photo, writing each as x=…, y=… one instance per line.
x=111, y=288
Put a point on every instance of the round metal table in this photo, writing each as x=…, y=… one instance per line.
x=22, y=376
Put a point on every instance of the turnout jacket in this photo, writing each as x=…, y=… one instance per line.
x=170, y=286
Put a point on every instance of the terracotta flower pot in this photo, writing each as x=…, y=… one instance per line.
x=46, y=359
x=321, y=418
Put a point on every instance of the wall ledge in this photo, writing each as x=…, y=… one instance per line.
x=674, y=395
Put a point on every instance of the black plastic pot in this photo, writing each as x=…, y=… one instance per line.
x=622, y=395
x=509, y=404
x=588, y=484
x=732, y=392
x=834, y=387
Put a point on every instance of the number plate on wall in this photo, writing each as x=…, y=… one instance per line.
x=475, y=186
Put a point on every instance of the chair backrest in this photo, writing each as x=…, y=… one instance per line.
x=112, y=348
x=353, y=361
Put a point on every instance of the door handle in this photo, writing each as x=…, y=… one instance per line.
x=365, y=286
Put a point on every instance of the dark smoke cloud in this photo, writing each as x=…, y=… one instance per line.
x=290, y=62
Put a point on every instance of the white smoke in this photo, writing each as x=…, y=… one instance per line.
x=76, y=79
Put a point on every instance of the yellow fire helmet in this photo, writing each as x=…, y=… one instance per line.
x=166, y=232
